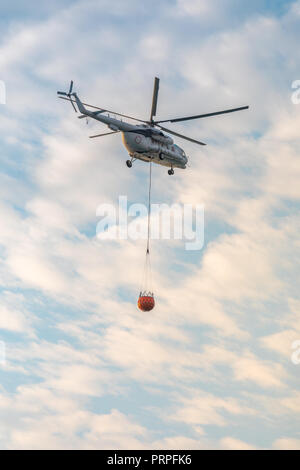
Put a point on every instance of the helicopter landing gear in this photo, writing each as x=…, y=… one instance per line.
x=130, y=162
x=171, y=172
x=161, y=156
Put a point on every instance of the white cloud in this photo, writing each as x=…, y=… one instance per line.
x=230, y=443
x=281, y=342
x=263, y=373
x=154, y=47
x=286, y=444
x=180, y=443
x=13, y=316
x=206, y=409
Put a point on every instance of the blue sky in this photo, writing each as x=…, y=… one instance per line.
x=211, y=366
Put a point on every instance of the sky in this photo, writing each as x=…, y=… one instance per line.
x=211, y=366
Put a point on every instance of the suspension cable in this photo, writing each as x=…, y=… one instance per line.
x=149, y=208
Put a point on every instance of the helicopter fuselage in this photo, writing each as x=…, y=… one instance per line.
x=142, y=144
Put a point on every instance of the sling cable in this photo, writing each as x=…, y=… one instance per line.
x=146, y=300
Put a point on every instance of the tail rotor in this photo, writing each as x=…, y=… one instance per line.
x=69, y=95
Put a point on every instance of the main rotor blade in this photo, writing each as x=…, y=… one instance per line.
x=180, y=135
x=154, y=98
x=105, y=110
x=100, y=135
x=198, y=116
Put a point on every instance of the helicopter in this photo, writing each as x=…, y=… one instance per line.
x=148, y=140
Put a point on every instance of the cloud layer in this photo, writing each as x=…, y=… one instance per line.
x=211, y=366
